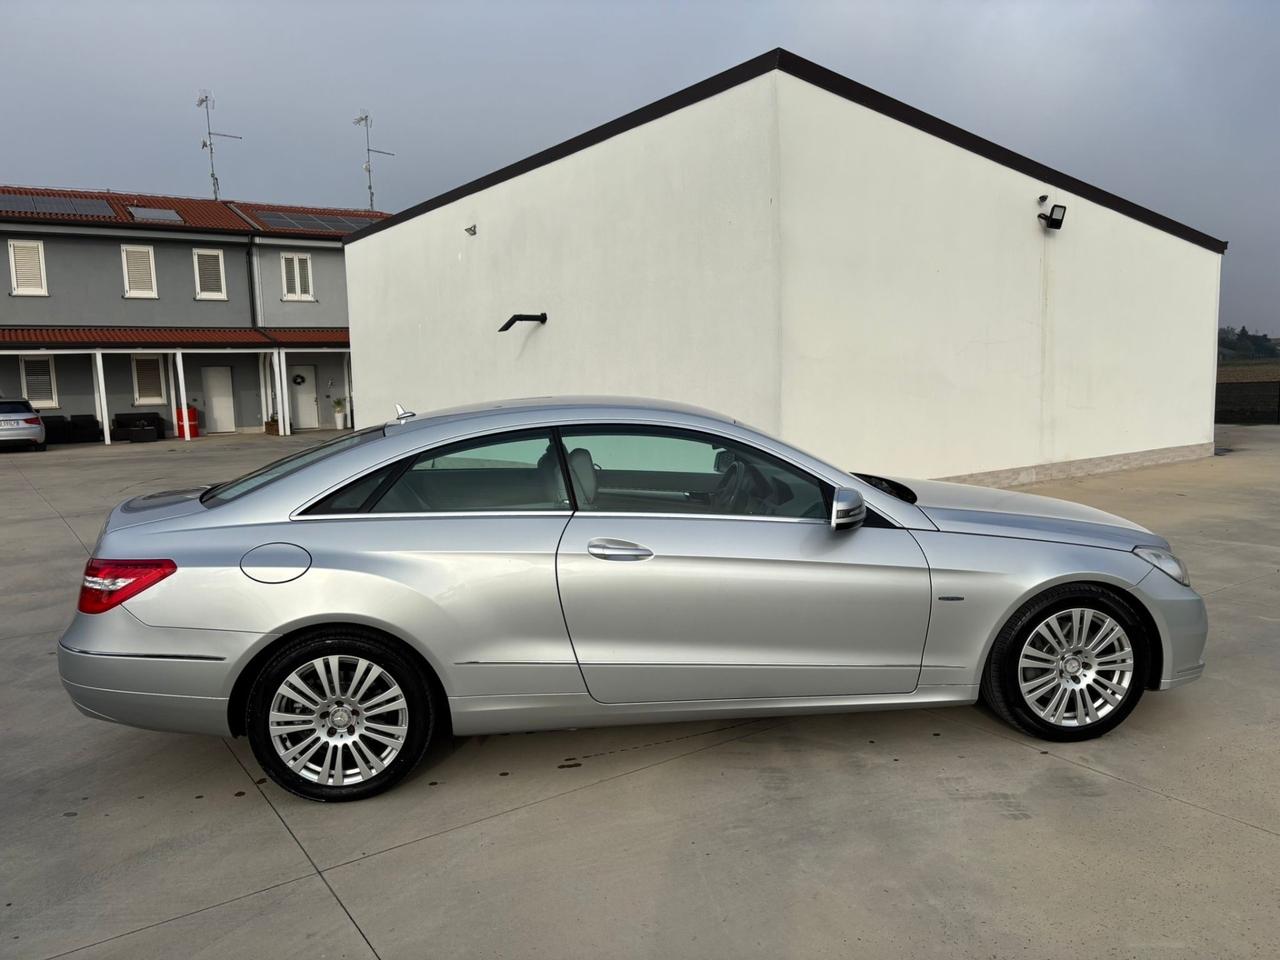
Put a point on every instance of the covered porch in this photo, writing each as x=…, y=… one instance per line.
x=110, y=384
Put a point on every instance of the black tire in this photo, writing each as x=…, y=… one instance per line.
x=1000, y=679
x=39, y=448
x=347, y=644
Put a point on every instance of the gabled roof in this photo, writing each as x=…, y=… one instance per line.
x=103, y=208
x=832, y=82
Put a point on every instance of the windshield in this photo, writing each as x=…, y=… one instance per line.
x=232, y=489
x=15, y=406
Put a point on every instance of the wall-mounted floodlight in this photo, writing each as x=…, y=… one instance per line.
x=522, y=318
x=1053, y=219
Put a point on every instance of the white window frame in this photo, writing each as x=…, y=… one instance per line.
x=141, y=401
x=53, y=381
x=222, y=270
x=310, y=296
x=152, y=294
x=13, y=272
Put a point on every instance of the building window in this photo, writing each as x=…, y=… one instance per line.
x=148, y=379
x=139, y=272
x=26, y=268
x=295, y=269
x=211, y=277
x=39, y=381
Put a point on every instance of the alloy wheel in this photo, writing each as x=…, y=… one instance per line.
x=338, y=720
x=1076, y=667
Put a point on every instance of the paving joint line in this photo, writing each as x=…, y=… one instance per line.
x=318, y=872
x=181, y=916
x=36, y=490
x=1118, y=778
x=571, y=790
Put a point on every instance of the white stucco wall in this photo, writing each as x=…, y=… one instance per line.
x=654, y=255
x=932, y=326
x=871, y=293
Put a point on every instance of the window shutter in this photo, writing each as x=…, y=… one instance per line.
x=39, y=377
x=146, y=371
x=290, y=279
x=137, y=270
x=28, y=272
x=209, y=273
x=304, y=276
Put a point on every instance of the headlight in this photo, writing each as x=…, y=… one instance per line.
x=1165, y=562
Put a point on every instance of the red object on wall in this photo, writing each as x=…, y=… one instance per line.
x=188, y=420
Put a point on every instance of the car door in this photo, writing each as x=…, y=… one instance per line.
x=698, y=568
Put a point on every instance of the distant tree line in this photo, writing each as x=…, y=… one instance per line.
x=1239, y=344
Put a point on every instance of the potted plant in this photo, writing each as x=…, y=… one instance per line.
x=272, y=426
x=339, y=412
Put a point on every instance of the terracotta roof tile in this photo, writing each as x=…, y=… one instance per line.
x=171, y=338
x=203, y=215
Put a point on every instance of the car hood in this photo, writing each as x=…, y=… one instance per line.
x=963, y=508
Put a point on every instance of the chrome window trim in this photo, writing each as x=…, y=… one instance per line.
x=700, y=516
x=443, y=514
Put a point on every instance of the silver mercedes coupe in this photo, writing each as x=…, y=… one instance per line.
x=554, y=563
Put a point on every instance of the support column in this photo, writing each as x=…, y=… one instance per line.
x=282, y=398
x=102, y=397
x=173, y=392
x=349, y=415
x=182, y=390
x=262, y=392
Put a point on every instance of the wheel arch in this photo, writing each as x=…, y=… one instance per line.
x=237, y=702
x=1123, y=590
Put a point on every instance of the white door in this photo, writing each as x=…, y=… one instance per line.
x=303, y=412
x=219, y=400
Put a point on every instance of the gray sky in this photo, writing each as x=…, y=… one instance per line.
x=1175, y=105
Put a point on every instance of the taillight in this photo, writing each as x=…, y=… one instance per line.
x=34, y=421
x=108, y=583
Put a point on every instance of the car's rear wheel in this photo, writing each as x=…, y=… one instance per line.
x=338, y=716
x=1069, y=665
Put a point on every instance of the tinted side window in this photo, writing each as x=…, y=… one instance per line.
x=648, y=470
x=357, y=495
x=509, y=472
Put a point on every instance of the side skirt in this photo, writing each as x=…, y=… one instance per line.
x=556, y=711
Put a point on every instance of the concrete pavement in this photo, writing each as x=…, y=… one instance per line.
x=937, y=833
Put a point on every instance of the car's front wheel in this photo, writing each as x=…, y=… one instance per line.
x=339, y=715
x=1069, y=665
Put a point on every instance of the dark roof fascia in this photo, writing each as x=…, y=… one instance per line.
x=832, y=82
x=99, y=229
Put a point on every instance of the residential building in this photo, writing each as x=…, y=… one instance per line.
x=790, y=247
x=125, y=304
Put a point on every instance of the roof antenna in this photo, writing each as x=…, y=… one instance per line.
x=205, y=99
x=402, y=414
x=366, y=121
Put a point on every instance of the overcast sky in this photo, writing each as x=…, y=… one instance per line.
x=1175, y=105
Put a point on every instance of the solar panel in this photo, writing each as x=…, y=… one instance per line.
x=9, y=201
x=92, y=208
x=273, y=218
x=157, y=214
x=53, y=205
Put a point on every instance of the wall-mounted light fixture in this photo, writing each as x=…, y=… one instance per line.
x=470, y=231
x=1053, y=219
x=522, y=318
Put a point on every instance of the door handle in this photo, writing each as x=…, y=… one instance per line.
x=606, y=548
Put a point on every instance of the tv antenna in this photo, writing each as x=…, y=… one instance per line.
x=205, y=99
x=366, y=121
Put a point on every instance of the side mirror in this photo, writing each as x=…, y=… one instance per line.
x=848, y=509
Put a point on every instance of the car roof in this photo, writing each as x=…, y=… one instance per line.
x=571, y=407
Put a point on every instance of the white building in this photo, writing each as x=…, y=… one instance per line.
x=787, y=246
